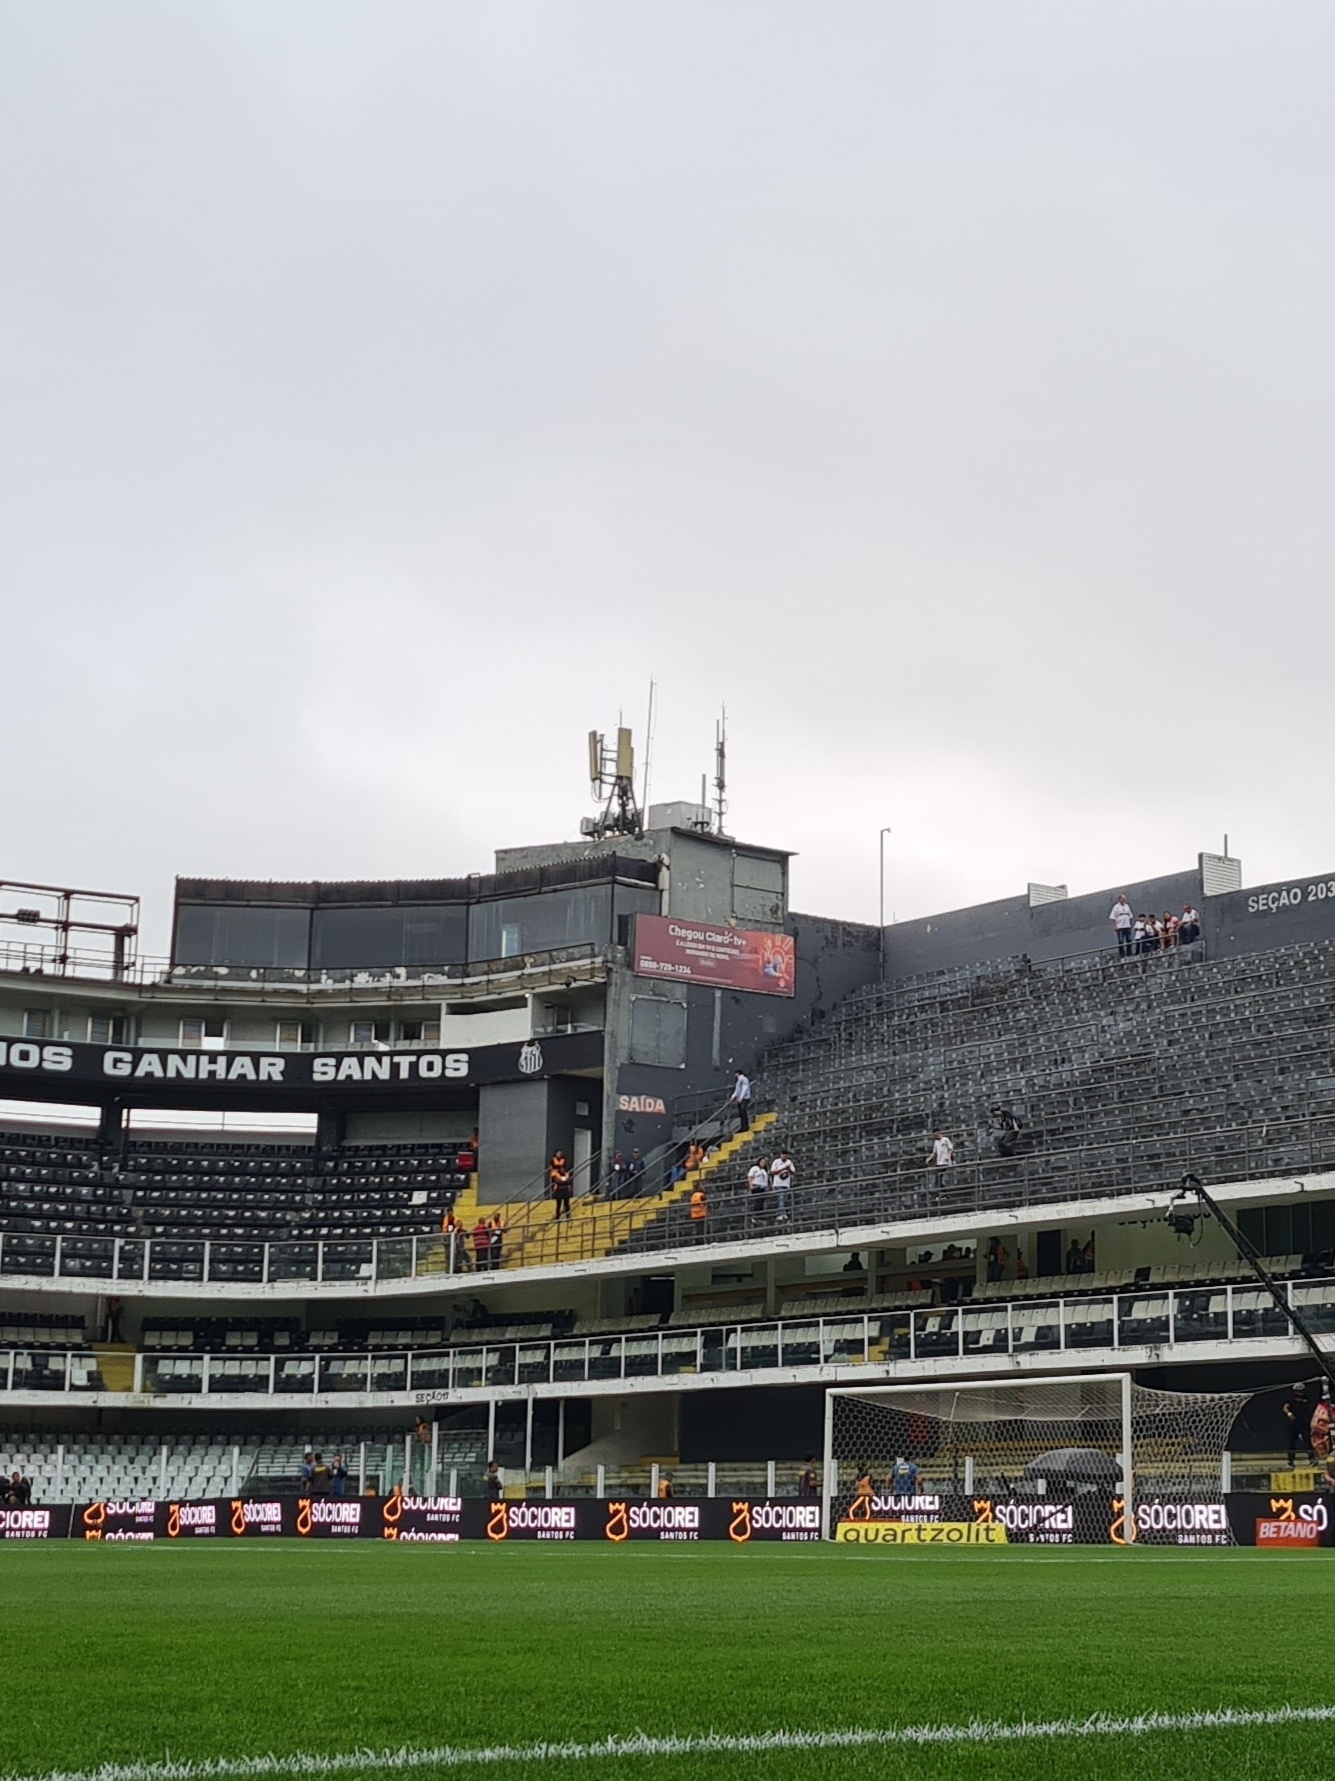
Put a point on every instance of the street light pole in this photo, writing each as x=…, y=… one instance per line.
x=883, y=834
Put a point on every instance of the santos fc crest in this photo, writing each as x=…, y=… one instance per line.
x=530, y=1059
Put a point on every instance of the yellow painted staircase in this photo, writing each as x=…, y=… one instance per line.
x=535, y=1238
x=115, y=1362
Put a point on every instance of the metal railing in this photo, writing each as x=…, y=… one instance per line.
x=147, y=971
x=535, y=1237
x=1114, y=1321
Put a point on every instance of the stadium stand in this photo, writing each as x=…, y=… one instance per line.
x=1126, y=1073
x=56, y=1184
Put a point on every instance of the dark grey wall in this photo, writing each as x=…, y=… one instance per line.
x=1267, y=915
x=833, y=959
x=1010, y=927
x=512, y=1139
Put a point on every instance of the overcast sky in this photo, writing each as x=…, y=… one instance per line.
x=390, y=390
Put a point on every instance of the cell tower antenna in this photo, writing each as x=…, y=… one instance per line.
x=720, y=769
x=612, y=784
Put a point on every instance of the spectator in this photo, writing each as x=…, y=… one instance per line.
x=496, y=1240
x=1168, y=928
x=1122, y=920
x=757, y=1188
x=618, y=1170
x=338, y=1476
x=1322, y=1427
x=635, y=1173
x=1005, y=1127
x=808, y=1479
x=1074, y=1257
x=781, y=1172
x=695, y=1155
x=666, y=1488
x=942, y=1155
x=307, y=1473
x=903, y=1478
x=482, y=1244
x=112, y=1326
x=422, y=1432
x=560, y=1183
x=493, y=1484
x=1298, y=1415
x=997, y=1257
x=1188, y=926
x=699, y=1212
x=456, y=1241
x=319, y=1476
x=19, y=1491
x=1087, y=1256
x=741, y=1100
x=1021, y=1265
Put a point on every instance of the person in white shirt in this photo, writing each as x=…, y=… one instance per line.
x=1121, y=918
x=757, y=1188
x=741, y=1100
x=942, y=1153
x=1188, y=926
x=781, y=1172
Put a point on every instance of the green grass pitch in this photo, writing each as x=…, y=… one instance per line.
x=126, y=1654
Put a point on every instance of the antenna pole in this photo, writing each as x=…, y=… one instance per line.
x=648, y=749
x=721, y=767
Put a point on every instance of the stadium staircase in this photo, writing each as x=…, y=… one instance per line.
x=534, y=1237
x=115, y=1362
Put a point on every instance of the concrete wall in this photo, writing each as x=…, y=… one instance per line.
x=728, y=1029
x=1238, y=922
x=1007, y=928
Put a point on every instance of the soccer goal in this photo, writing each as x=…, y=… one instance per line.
x=900, y=1451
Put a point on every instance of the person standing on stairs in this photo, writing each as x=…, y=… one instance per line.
x=741, y=1100
x=781, y=1172
x=561, y=1183
x=757, y=1191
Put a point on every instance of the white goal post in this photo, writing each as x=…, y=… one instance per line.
x=1045, y=1439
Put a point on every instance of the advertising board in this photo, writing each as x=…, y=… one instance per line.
x=45, y=1522
x=679, y=951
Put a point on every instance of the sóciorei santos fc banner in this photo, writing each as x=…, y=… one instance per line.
x=708, y=952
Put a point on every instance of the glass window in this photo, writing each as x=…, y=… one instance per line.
x=108, y=1029
x=203, y=1035
x=36, y=1023
x=512, y=925
x=296, y=1035
x=416, y=934
x=242, y=936
x=368, y=1032
x=419, y=1032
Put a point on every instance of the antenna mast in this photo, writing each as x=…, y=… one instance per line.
x=720, y=769
x=612, y=783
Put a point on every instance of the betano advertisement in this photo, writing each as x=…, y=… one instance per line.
x=723, y=957
x=1293, y=1523
x=1239, y=1519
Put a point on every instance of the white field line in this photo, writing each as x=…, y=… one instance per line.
x=452, y=1756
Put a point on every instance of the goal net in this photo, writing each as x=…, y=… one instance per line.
x=1095, y=1443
